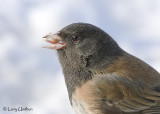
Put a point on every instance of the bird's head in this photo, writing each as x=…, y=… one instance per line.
x=82, y=39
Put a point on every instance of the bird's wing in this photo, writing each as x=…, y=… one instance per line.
x=152, y=110
x=125, y=94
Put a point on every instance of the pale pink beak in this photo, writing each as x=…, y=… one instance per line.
x=55, y=40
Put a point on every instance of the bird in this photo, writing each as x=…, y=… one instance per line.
x=100, y=76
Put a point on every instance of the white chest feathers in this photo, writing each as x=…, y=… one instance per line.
x=79, y=108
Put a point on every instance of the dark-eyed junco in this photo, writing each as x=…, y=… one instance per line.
x=101, y=77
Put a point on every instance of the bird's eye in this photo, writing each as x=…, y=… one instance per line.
x=75, y=38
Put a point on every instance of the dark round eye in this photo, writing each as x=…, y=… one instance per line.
x=75, y=38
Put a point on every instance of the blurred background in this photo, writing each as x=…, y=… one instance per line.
x=31, y=76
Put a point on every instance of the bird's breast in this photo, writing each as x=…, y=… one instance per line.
x=84, y=99
x=81, y=102
x=88, y=99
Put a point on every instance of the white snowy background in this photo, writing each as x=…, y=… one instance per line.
x=31, y=76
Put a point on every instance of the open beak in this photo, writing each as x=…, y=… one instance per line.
x=55, y=40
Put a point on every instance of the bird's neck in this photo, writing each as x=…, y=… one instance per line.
x=78, y=71
x=103, y=58
x=75, y=72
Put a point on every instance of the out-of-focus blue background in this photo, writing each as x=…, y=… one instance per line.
x=31, y=76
